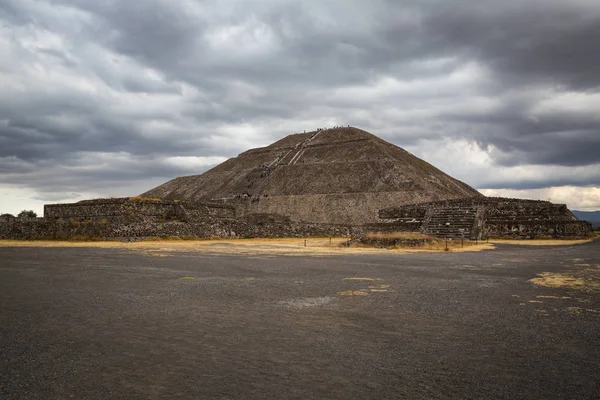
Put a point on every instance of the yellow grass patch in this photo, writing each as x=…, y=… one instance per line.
x=360, y=292
x=362, y=279
x=187, y=278
x=397, y=235
x=579, y=310
x=431, y=243
x=140, y=198
x=379, y=287
x=542, y=242
x=559, y=280
x=282, y=246
x=152, y=254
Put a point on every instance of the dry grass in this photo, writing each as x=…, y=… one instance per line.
x=140, y=198
x=542, y=242
x=431, y=243
x=397, y=235
x=578, y=276
x=455, y=245
x=558, y=280
x=284, y=246
x=169, y=238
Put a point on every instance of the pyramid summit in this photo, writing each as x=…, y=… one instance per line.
x=339, y=175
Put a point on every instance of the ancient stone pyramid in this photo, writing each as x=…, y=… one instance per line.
x=339, y=175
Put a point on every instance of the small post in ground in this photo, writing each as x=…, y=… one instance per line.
x=304, y=242
x=446, y=249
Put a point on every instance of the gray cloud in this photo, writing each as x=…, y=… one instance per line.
x=149, y=80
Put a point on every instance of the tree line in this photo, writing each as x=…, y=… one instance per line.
x=22, y=214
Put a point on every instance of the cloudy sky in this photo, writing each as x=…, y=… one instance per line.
x=106, y=98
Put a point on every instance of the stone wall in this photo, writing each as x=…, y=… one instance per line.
x=487, y=217
x=111, y=209
x=139, y=218
x=138, y=209
x=326, y=208
x=537, y=229
x=129, y=218
x=257, y=226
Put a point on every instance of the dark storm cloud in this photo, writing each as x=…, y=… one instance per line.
x=527, y=41
x=156, y=79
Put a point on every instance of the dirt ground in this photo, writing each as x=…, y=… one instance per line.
x=166, y=320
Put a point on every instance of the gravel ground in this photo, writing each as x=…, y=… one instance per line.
x=90, y=323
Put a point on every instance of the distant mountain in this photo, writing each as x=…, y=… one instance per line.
x=591, y=216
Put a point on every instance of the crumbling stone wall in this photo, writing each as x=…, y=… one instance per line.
x=137, y=209
x=129, y=218
x=327, y=208
x=537, y=229
x=488, y=217
x=257, y=226
x=112, y=209
x=203, y=212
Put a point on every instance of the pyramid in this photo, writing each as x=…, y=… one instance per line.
x=338, y=175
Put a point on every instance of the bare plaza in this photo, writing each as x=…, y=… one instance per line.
x=173, y=321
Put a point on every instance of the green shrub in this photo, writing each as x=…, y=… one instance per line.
x=27, y=214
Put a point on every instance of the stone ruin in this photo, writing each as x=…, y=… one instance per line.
x=483, y=217
x=330, y=182
x=330, y=176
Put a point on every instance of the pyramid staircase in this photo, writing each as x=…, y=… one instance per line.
x=452, y=222
x=257, y=177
